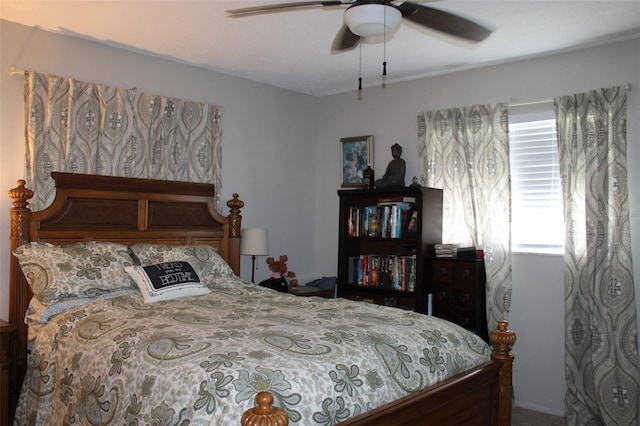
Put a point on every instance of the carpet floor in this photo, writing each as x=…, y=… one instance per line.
x=523, y=417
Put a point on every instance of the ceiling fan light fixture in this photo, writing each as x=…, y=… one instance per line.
x=369, y=20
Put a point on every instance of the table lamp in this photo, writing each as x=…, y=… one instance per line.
x=254, y=243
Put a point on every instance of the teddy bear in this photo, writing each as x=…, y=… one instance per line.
x=280, y=275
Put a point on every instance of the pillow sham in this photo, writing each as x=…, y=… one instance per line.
x=204, y=259
x=166, y=281
x=89, y=269
x=39, y=313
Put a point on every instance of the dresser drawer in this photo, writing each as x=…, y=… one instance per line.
x=443, y=294
x=464, y=318
x=464, y=297
x=466, y=273
x=442, y=271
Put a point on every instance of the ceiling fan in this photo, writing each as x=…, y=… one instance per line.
x=369, y=18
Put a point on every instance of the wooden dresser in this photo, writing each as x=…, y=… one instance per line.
x=6, y=331
x=459, y=293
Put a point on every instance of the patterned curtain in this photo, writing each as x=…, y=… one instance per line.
x=465, y=151
x=602, y=365
x=78, y=127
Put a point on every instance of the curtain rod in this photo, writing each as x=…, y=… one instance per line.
x=512, y=101
x=13, y=70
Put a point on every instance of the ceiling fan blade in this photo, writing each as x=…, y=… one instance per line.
x=443, y=21
x=344, y=40
x=282, y=6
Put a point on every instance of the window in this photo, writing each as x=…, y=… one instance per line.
x=537, y=215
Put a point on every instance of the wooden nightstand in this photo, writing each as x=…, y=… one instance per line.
x=6, y=332
x=305, y=290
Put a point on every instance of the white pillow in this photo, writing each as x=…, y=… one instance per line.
x=166, y=281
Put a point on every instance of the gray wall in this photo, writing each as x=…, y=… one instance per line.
x=267, y=134
x=281, y=154
x=537, y=310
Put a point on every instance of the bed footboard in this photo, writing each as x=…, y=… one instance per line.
x=481, y=396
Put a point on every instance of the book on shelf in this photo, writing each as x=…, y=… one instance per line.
x=372, y=221
x=395, y=272
x=386, y=221
x=396, y=200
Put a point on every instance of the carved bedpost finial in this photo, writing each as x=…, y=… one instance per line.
x=502, y=339
x=235, y=217
x=264, y=414
x=20, y=195
x=20, y=213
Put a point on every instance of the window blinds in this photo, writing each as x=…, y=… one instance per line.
x=537, y=215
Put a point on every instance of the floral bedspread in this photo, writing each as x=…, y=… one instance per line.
x=202, y=360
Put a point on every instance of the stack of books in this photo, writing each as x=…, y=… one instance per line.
x=454, y=250
x=446, y=250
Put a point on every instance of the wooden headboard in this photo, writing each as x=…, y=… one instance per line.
x=118, y=209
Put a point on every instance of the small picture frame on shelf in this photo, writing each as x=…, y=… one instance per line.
x=409, y=223
x=356, y=153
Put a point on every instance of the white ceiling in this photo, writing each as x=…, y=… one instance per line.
x=292, y=49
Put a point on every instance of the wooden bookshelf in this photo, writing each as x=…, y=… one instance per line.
x=383, y=254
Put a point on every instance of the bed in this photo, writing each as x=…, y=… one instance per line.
x=235, y=354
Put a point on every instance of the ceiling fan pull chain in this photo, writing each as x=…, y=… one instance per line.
x=384, y=74
x=360, y=73
x=384, y=52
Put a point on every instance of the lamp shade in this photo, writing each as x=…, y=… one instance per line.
x=254, y=242
x=372, y=19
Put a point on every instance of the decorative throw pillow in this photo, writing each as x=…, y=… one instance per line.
x=204, y=259
x=166, y=281
x=78, y=270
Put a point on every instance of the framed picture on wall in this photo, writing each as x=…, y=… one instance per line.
x=356, y=153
